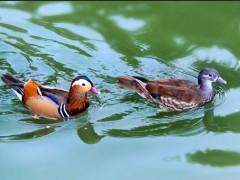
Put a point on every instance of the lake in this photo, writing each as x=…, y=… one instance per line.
x=120, y=136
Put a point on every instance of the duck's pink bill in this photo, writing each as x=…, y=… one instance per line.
x=221, y=80
x=95, y=90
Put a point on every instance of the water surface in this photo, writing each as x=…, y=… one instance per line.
x=120, y=136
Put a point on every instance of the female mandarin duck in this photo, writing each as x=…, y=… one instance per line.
x=175, y=94
x=50, y=102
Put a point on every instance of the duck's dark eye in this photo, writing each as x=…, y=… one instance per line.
x=209, y=75
x=83, y=84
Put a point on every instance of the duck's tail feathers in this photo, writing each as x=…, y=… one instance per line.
x=135, y=83
x=14, y=83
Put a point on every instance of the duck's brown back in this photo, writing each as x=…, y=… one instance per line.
x=175, y=94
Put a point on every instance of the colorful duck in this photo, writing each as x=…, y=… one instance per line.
x=51, y=102
x=175, y=94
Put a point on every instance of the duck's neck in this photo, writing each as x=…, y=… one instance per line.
x=77, y=101
x=206, y=90
x=206, y=86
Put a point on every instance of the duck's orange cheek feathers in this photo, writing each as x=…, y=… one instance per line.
x=43, y=106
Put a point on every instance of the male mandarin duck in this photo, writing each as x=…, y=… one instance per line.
x=51, y=102
x=175, y=94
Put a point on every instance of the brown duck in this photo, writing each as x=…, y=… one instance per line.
x=51, y=102
x=175, y=94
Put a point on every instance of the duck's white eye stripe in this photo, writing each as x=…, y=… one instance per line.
x=39, y=91
x=80, y=82
x=205, y=76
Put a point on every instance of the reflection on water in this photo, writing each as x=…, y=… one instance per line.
x=161, y=124
x=214, y=157
x=87, y=134
x=188, y=127
x=216, y=123
x=129, y=24
x=29, y=135
x=53, y=9
x=228, y=123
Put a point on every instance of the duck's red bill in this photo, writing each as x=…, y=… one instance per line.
x=95, y=90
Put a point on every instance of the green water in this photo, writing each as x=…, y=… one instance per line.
x=120, y=136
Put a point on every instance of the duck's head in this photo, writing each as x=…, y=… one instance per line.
x=209, y=75
x=84, y=83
